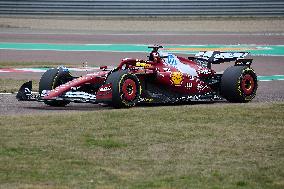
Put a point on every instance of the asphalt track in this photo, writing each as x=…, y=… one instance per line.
x=268, y=91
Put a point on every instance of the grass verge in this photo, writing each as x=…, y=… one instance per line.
x=32, y=64
x=13, y=85
x=197, y=146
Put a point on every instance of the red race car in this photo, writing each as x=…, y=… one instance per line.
x=163, y=78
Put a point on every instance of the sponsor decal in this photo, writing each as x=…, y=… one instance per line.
x=172, y=60
x=188, y=85
x=176, y=78
x=201, y=86
x=105, y=89
x=145, y=65
x=204, y=71
x=167, y=69
x=146, y=100
x=75, y=88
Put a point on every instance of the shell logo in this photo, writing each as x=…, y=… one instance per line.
x=176, y=78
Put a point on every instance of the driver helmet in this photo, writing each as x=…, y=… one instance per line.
x=154, y=56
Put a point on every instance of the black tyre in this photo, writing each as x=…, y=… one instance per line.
x=239, y=84
x=126, y=89
x=50, y=80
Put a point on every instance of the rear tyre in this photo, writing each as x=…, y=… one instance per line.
x=126, y=89
x=239, y=84
x=50, y=80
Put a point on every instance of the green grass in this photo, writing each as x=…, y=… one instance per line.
x=13, y=85
x=31, y=64
x=191, y=146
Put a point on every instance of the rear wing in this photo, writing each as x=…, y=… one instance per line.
x=217, y=57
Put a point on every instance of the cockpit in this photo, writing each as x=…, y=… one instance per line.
x=154, y=54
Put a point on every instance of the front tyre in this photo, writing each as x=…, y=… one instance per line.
x=51, y=79
x=126, y=89
x=239, y=84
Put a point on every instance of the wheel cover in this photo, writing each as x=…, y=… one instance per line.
x=248, y=84
x=129, y=90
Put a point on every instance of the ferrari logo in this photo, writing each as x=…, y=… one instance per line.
x=176, y=78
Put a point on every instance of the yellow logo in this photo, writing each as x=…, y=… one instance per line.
x=139, y=64
x=176, y=78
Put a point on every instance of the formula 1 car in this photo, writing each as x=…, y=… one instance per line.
x=162, y=78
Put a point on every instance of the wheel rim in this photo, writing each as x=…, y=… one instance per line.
x=248, y=84
x=129, y=90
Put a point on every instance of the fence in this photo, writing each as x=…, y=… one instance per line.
x=143, y=7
